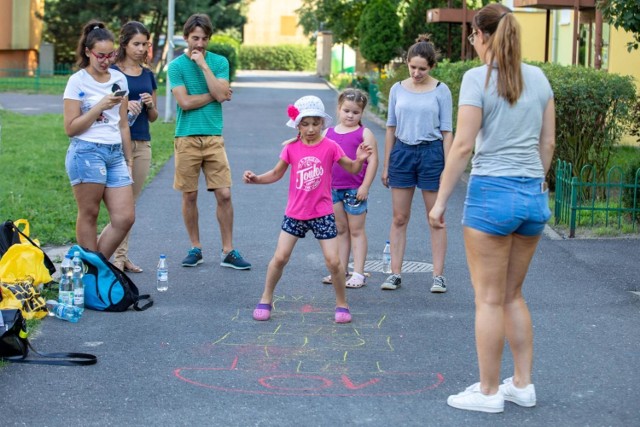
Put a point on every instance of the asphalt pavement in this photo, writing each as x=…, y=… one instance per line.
x=197, y=357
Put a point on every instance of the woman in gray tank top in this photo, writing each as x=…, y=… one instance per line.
x=506, y=117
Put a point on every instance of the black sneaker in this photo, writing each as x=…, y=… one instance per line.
x=391, y=283
x=234, y=260
x=193, y=258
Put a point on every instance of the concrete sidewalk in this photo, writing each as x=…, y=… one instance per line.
x=198, y=358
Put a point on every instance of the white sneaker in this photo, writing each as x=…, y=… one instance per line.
x=439, y=285
x=472, y=399
x=520, y=396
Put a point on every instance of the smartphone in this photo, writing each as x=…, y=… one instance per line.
x=120, y=93
x=544, y=186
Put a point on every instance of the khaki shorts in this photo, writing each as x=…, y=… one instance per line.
x=202, y=152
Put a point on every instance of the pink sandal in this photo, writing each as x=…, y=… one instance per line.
x=343, y=315
x=262, y=312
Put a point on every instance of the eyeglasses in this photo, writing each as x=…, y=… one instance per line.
x=472, y=36
x=103, y=56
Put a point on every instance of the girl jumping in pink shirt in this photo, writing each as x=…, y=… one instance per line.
x=309, y=205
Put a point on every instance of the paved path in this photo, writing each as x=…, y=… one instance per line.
x=196, y=357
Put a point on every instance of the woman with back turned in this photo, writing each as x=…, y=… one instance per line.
x=506, y=111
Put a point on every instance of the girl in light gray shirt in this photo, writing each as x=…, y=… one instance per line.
x=418, y=136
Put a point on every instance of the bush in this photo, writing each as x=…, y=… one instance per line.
x=634, y=125
x=228, y=52
x=593, y=109
x=283, y=57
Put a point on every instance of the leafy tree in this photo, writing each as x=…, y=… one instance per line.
x=379, y=32
x=623, y=14
x=339, y=16
x=64, y=19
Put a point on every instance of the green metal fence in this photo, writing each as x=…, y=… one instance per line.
x=35, y=80
x=581, y=200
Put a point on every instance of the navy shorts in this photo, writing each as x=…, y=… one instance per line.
x=506, y=205
x=416, y=165
x=323, y=227
x=347, y=197
x=90, y=162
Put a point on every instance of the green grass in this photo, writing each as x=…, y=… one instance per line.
x=35, y=185
x=46, y=85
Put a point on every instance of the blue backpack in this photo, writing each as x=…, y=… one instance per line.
x=106, y=288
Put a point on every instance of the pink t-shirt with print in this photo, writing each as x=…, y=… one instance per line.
x=310, y=178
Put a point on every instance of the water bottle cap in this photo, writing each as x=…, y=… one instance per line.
x=163, y=256
x=388, y=241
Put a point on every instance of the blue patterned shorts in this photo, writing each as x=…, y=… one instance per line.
x=323, y=227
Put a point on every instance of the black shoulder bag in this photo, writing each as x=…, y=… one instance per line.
x=14, y=345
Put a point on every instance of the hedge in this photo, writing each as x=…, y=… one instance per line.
x=283, y=57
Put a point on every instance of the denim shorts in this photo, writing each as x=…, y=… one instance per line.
x=323, y=227
x=506, y=205
x=93, y=163
x=416, y=165
x=347, y=197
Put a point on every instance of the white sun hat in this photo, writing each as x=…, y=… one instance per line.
x=307, y=106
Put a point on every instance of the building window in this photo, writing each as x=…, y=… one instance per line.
x=288, y=25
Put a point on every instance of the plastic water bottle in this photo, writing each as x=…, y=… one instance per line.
x=65, y=288
x=78, y=286
x=67, y=312
x=386, y=258
x=131, y=117
x=162, y=277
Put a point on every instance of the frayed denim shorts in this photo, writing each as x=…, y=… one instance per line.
x=347, y=197
x=506, y=205
x=416, y=165
x=323, y=227
x=93, y=163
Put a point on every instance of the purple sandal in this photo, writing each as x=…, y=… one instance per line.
x=262, y=312
x=343, y=315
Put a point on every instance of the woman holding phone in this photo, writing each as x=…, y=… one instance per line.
x=99, y=154
x=131, y=59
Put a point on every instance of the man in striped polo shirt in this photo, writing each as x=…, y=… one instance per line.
x=200, y=83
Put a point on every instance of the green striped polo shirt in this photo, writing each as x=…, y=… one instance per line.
x=206, y=120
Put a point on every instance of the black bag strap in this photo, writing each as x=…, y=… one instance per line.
x=149, y=303
x=47, y=262
x=65, y=359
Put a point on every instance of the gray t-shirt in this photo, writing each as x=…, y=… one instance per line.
x=420, y=116
x=508, y=141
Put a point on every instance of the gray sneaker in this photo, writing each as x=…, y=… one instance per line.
x=391, y=283
x=520, y=396
x=438, y=287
